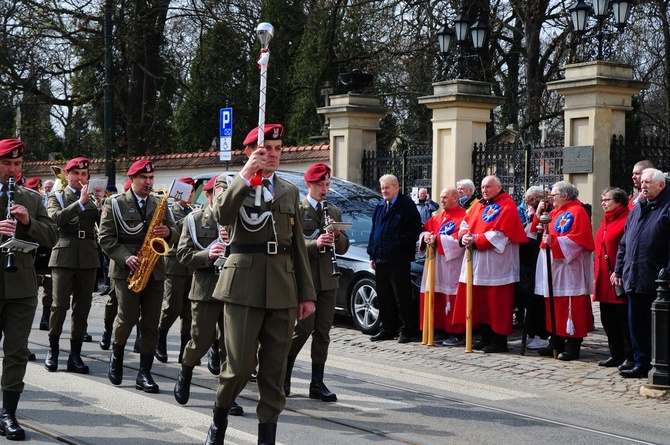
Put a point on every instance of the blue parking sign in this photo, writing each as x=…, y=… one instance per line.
x=226, y=122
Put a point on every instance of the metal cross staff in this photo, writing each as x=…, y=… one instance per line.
x=265, y=32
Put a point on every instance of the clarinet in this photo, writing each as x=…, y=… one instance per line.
x=10, y=266
x=335, y=271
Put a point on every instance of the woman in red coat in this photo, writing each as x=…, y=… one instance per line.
x=613, y=309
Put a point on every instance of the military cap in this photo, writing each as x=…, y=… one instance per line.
x=34, y=183
x=317, y=172
x=272, y=132
x=11, y=148
x=79, y=162
x=141, y=166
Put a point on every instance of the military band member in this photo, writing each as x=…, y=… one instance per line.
x=177, y=286
x=319, y=247
x=123, y=228
x=18, y=290
x=202, y=242
x=265, y=284
x=74, y=262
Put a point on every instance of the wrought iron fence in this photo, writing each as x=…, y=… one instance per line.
x=625, y=153
x=412, y=167
x=519, y=165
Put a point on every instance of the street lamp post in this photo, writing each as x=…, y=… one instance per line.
x=468, y=36
x=580, y=11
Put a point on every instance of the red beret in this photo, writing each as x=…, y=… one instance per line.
x=317, y=172
x=141, y=166
x=210, y=184
x=273, y=132
x=127, y=185
x=34, y=183
x=188, y=181
x=11, y=148
x=79, y=162
x=20, y=179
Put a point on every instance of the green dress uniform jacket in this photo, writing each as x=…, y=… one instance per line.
x=173, y=266
x=77, y=246
x=320, y=260
x=123, y=237
x=18, y=290
x=201, y=228
x=257, y=279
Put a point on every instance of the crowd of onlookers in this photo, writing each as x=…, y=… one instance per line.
x=535, y=265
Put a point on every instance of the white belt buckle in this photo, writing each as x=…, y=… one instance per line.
x=81, y=234
x=272, y=248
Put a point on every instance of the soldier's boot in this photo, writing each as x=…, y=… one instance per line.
x=267, y=433
x=557, y=343
x=290, y=361
x=182, y=389
x=161, y=347
x=106, y=340
x=217, y=430
x=44, y=321
x=144, y=380
x=51, y=360
x=74, y=361
x=318, y=389
x=185, y=338
x=213, y=358
x=572, y=347
x=136, y=346
x=115, y=372
x=9, y=426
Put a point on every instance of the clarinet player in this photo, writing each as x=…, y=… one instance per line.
x=321, y=249
x=27, y=220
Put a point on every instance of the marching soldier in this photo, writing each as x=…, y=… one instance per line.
x=123, y=228
x=265, y=284
x=18, y=289
x=320, y=245
x=74, y=262
x=200, y=245
x=177, y=286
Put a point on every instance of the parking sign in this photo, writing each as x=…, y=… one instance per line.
x=226, y=122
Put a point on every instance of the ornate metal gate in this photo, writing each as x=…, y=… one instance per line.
x=412, y=167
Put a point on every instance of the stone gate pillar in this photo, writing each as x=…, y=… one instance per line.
x=354, y=122
x=597, y=96
x=461, y=110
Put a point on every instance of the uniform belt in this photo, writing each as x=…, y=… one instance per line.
x=76, y=234
x=269, y=248
x=130, y=241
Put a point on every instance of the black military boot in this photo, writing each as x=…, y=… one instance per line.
x=557, y=343
x=217, y=430
x=572, y=347
x=144, y=380
x=267, y=433
x=185, y=338
x=115, y=372
x=136, y=346
x=8, y=424
x=214, y=359
x=44, y=321
x=182, y=389
x=74, y=361
x=106, y=340
x=51, y=360
x=290, y=361
x=161, y=347
x=317, y=389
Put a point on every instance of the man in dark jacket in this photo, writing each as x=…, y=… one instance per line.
x=643, y=252
x=396, y=225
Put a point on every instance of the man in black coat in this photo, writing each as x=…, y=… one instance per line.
x=396, y=225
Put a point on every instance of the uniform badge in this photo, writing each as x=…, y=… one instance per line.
x=491, y=212
x=292, y=222
x=564, y=223
x=448, y=228
x=52, y=202
x=183, y=231
x=104, y=213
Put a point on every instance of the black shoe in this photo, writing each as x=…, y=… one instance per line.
x=217, y=430
x=182, y=389
x=567, y=356
x=383, y=335
x=115, y=372
x=318, y=390
x=51, y=360
x=254, y=375
x=480, y=345
x=44, y=325
x=610, y=362
x=136, y=346
x=236, y=410
x=214, y=362
x=31, y=356
x=104, y=290
x=638, y=372
x=106, y=340
x=10, y=427
x=494, y=349
x=87, y=338
x=145, y=382
x=627, y=365
x=76, y=365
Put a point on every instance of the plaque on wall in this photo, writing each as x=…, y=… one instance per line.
x=578, y=159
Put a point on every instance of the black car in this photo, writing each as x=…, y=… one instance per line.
x=356, y=296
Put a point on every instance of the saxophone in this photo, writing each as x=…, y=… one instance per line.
x=152, y=248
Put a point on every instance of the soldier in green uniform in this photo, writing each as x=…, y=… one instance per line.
x=177, y=286
x=18, y=289
x=123, y=228
x=320, y=245
x=74, y=261
x=265, y=284
x=202, y=243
